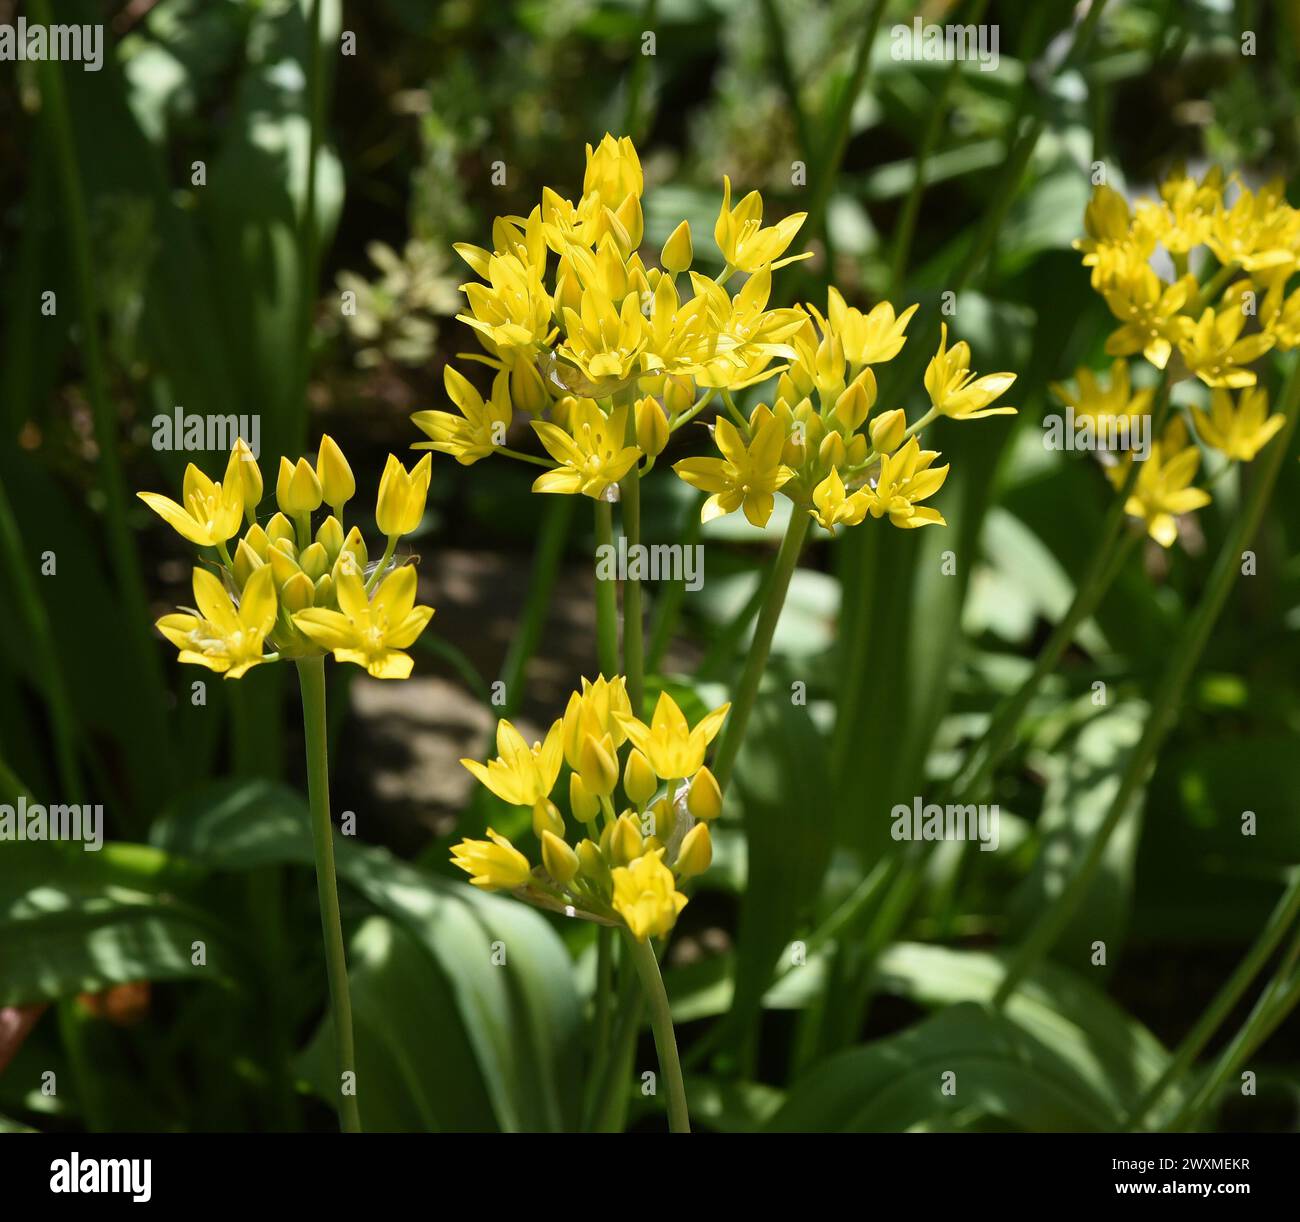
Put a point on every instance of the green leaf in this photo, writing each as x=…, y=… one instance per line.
x=508, y=971
x=1081, y=788
x=416, y=1069
x=898, y=1083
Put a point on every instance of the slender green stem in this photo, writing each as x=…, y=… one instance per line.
x=389, y=548
x=552, y=538
x=1165, y=705
x=601, y=1023
x=633, y=616
x=1275, y=1003
x=1281, y=920
x=606, y=596
x=661, y=1023
x=311, y=677
x=742, y=705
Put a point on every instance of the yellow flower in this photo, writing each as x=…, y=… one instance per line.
x=1112, y=240
x=746, y=477
x=740, y=235
x=1183, y=217
x=480, y=427
x=219, y=635
x=1102, y=403
x=868, y=339
x=1238, y=433
x=600, y=708
x=735, y=338
x=370, y=631
x=1213, y=348
x=835, y=508
x=493, y=864
x=402, y=493
x=1162, y=489
x=696, y=852
x=210, y=512
x=1149, y=311
x=1258, y=232
x=250, y=478
x=905, y=478
x=955, y=391
x=603, y=342
x=646, y=896
x=674, y=749
x=513, y=310
x=592, y=452
x=613, y=171
x=521, y=776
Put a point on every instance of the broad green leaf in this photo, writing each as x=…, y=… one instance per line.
x=898, y=1083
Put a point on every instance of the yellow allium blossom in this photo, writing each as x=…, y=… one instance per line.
x=370, y=631
x=591, y=450
x=745, y=477
x=646, y=896
x=1239, y=432
x=1103, y=403
x=740, y=235
x=219, y=634
x=478, y=430
x=622, y=868
x=493, y=864
x=283, y=588
x=957, y=392
x=1215, y=350
x=210, y=513
x=1164, y=485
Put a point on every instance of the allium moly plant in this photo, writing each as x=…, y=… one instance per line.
x=288, y=591
x=606, y=357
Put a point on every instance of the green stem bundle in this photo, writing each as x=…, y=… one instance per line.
x=311, y=677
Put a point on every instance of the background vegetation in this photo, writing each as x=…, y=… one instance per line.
x=219, y=298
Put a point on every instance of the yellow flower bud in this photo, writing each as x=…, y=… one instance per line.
x=704, y=800
x=678, y=395
x=298, y=593
x=325, y=591
x=639, y=780
x=247, y=561
x=402, y=494
x=829, y=366
x=856, y=450
x=852, y=406
x=831, y=452
x=560, y=860
x=665, y=817
x=330, y=537
x=279, y=527
x=625, y=840
x=696, y=854
x=599, y=765
x=592, y=864
x=887, y=431
x=678, y=253
x=355, y=546
x=338, y=485
x=651, y=426
x=582, y=802
x=250, y=478
x=527, y=390
x=547, y=818
x=283, y=565
x=297, y=490
x=314, y=561
x=493, y=863
x=256, y=538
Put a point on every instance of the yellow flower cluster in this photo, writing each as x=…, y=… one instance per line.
x=303, y=593
x=1258, y=234
x=626, y=866
x=1203, y=328
x=827, y=456
x=609, y=357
